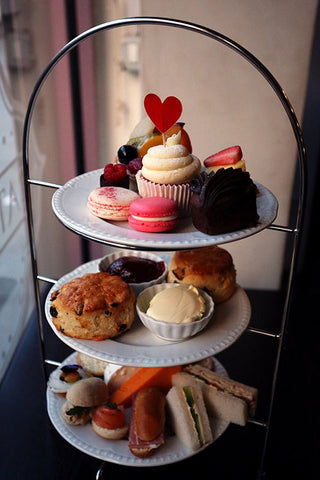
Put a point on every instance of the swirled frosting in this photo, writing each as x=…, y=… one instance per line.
x=171, y=164
x=224, y=201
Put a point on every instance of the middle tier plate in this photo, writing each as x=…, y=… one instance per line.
x=141, y=348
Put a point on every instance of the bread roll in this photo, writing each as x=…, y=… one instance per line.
x=209, y=268
x=88, y=392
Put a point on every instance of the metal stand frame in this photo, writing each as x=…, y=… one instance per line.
x=295, y=230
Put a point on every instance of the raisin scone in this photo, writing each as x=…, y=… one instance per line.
x=96, y=306
x=209, y=268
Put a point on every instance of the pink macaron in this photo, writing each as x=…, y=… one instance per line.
x=153, y=214
x=111, y=203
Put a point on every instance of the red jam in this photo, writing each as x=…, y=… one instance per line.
x=136, y=269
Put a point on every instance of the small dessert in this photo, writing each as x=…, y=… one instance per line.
x=111, y=203
x=223, y=202
x=146, y=135
x=228, y=158
x=153, y=214
x=96, y=306
x=156, y=138
x=208, y=268
x=109, y=421
x=189, y=305
x=136, y=269
x=114, y=175
x=166, y=172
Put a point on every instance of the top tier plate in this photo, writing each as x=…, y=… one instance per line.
x=69, y=204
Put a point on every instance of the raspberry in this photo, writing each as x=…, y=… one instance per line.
x=135, y=165
x=114, y=172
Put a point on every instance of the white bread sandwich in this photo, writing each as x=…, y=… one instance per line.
x=225, y=398
x=188, y=416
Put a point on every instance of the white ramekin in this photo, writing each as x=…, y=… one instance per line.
x=137, y=287
x=175, y=332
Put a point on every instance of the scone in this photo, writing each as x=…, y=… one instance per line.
x=96, y=306
x=210, y=268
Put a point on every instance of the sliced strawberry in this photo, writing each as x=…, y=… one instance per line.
x=114, y=172
x=135, y=165
x=228, y=156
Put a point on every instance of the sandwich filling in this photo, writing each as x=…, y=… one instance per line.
x=187, y=390
x=230, y=387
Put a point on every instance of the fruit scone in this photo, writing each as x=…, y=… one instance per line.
x=96, y=306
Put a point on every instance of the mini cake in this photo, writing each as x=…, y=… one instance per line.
x=231, y=157
x=209, y=268
x=223, y=202
x=96, y=306
x=114, y=175
x=146, y=135
x=166, y=172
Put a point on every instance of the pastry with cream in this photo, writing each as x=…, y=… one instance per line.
x=166, y=172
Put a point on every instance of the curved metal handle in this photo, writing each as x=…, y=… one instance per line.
x=269, y=78
x=194, y=28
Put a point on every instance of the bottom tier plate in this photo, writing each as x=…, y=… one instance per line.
x=117, y=451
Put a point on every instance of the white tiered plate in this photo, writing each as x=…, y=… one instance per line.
x=69, y=204
x=140, y=347
x=117, y=451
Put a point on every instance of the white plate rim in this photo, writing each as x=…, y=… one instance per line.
x=73, y=213
x=230, y=320
x=117, y=451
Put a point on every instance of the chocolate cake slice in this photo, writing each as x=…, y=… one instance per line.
x=223, y=202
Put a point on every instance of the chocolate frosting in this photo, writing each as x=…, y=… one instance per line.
x=223, y=201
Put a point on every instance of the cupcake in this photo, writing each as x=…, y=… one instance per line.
x=167, y=171
x=223, y=202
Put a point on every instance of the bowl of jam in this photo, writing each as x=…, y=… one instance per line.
x=139, y=269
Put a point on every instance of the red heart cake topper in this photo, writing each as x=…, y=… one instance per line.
x=165, y=114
